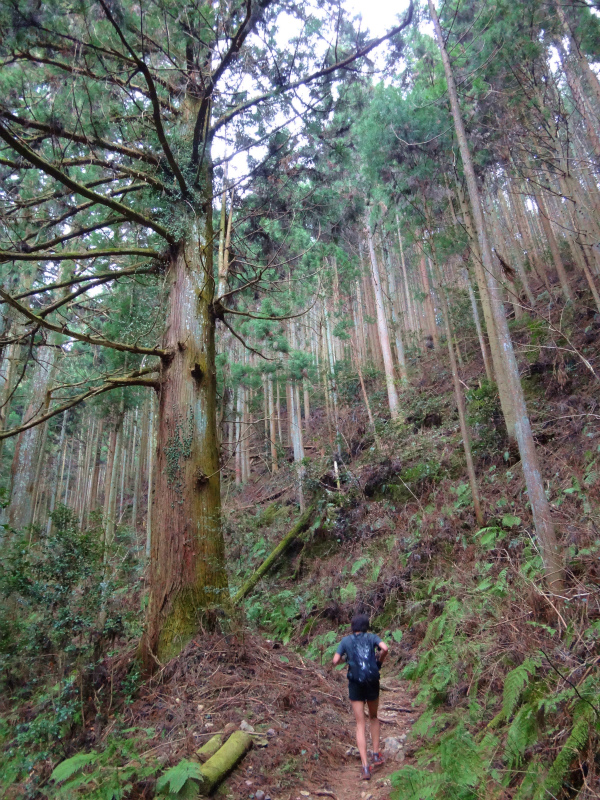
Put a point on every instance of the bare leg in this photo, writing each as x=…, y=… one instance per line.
x=361, y=740
x=375, y=724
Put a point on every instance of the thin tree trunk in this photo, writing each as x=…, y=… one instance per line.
x=429, y=307
x=278, y=412
x=393, y=297
x=72, y=447
x=27, y=449
x=272, y=423
x=97, y=456
x=38, y=471
x=497, y=361
x=137, y=478
x=458, y=395
x=482, y=343
x=332, y=382
x=553, y=244
x=535, y=488
x=151, y=448
x=111, y=506
x=60, y=458
x=384, y=337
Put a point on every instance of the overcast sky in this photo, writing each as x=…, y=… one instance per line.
x=378, y=15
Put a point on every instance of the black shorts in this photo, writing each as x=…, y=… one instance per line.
x=364, y=692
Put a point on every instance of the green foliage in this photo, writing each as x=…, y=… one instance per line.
x=359, y=564
x=62, y=605
x=583, y=717
x=470, y=749
x=180, y=781
x=107, y=774
x=514, y=683
x=348, y=593
x=276, y=615
x=484, y=415
x=72, y=765
x=323, y=646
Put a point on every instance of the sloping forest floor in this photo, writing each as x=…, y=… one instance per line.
x=501, y=681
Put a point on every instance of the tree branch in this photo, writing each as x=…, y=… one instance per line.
x=160, y=131
x=102, y=277
x=55, y=173
x=109, y=78
x=97, y=141
x=10, y=255
x=133, y=379
x=246, y=345
x=82, y=337
x=321, y=73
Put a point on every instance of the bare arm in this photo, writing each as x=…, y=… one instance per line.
x=383, y=651
x=336, y=659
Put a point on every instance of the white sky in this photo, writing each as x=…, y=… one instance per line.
x=377, y=15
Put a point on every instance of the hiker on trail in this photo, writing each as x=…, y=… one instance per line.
x=365, y=653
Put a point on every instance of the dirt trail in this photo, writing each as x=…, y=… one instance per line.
x=397, y=716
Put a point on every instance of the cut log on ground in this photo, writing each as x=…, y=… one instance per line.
x=224, y=760
x=300, y=526
x=210, y=748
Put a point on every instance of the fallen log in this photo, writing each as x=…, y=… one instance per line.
x=210, y=748
x=300, y=526
x=224, y=760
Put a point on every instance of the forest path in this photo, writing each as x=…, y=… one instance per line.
x=397, y=717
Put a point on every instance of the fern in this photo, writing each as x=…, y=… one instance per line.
x=578, y=739
x=460, y=758
x=72, y=765
x=521, y=734
x=514, y=684
x=358, y=565
x=530, y=782
x=179, y=781
x=348, y=592
x=416, y=784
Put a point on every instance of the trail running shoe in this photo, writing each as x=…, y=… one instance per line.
x=378, y=760
x=365, y=774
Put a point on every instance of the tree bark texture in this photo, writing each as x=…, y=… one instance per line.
x=187, y=562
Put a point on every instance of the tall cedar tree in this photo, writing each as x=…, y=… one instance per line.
x=108, y=115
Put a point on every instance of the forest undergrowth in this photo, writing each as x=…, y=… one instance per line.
x=505, y=677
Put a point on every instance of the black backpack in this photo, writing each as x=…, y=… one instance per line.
x=363, y=665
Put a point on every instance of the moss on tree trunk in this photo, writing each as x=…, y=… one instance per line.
x=188, y=581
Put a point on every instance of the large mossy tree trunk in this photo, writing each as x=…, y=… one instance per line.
x=188, y=582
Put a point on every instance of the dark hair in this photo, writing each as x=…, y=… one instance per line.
x=360, y=623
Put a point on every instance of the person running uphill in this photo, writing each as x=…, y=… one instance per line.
x=365, y=653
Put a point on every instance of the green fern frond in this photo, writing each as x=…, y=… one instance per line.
x=578, y=739
x=460, y=758
x=416, y=784
x=514, y=684
x=178, y=780
x=72, y=765
x=521, y=734
x=530, y=782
